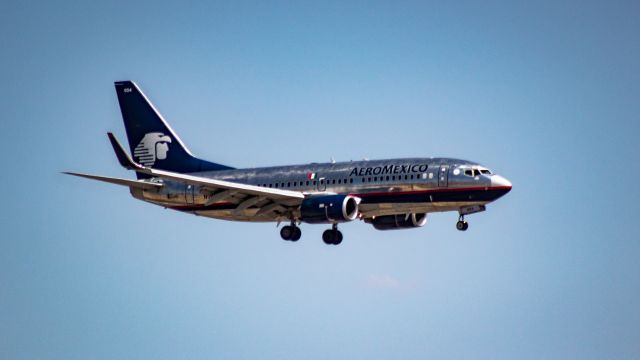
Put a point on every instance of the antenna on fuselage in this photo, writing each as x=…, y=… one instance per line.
x=333, y=161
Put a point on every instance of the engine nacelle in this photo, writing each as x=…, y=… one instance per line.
x=396, y=222
x=328, y=209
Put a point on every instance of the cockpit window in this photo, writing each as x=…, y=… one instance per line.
x=476, y=172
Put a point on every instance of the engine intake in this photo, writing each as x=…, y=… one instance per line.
x=396, y=222
x=327, y=209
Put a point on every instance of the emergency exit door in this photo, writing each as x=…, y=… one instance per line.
x=443, y=176
x=188, y=193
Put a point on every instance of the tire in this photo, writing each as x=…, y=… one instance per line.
x=466, y=226
x=337, y=238
x=460, y=225
x=286, y=232
x=297, y=233
x=327, y=237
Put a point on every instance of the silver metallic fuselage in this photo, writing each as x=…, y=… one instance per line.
x=386, y=187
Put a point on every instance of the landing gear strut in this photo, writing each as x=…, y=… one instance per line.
x=332, y=236
x=290, y=232
x=461, y=224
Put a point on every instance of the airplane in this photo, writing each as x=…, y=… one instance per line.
x=388, y=194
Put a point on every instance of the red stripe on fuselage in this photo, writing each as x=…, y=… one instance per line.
x=389, y=193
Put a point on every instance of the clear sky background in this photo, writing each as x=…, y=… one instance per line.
x=544, y=93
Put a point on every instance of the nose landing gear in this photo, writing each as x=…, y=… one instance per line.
x=461, y=224
x=332, y=236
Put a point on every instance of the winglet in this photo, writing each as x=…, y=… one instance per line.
x=124, y=158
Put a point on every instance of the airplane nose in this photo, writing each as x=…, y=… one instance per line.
x=499, y=181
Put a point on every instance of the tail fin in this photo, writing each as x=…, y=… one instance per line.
x=151, y=140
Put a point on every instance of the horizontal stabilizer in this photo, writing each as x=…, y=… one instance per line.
x=125, y=182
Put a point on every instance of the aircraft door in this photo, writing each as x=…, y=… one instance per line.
x=188, y=193
x=443, y=176
x=322, y=184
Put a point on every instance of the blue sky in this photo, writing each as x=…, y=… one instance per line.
x=544, y=93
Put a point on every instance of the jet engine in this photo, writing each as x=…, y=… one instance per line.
x=328, y=209
x=402, y=221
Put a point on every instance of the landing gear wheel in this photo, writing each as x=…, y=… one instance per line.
x=286, y=232
x=337, y=237
x=462, y=225
x=297, y=233
x=332, y=237
x=327, y=237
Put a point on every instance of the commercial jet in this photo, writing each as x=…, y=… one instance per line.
x=388, y=194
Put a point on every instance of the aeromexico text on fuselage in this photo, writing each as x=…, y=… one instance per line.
x=389, y=169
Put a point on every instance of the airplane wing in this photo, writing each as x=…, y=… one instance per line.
x=267, y=199
x=221, y=184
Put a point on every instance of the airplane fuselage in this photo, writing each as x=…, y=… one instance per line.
x=385, y=187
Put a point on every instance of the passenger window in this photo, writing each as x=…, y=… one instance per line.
x=288, y=184
x=276, y=184
x=334, y=181
x=351, y=181
x=387, y=178
x=307, y=182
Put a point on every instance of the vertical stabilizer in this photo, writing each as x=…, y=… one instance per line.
x=152, y=142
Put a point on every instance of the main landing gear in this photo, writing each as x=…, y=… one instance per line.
x=291, y=232
x=332, y=236
x=461, y=224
